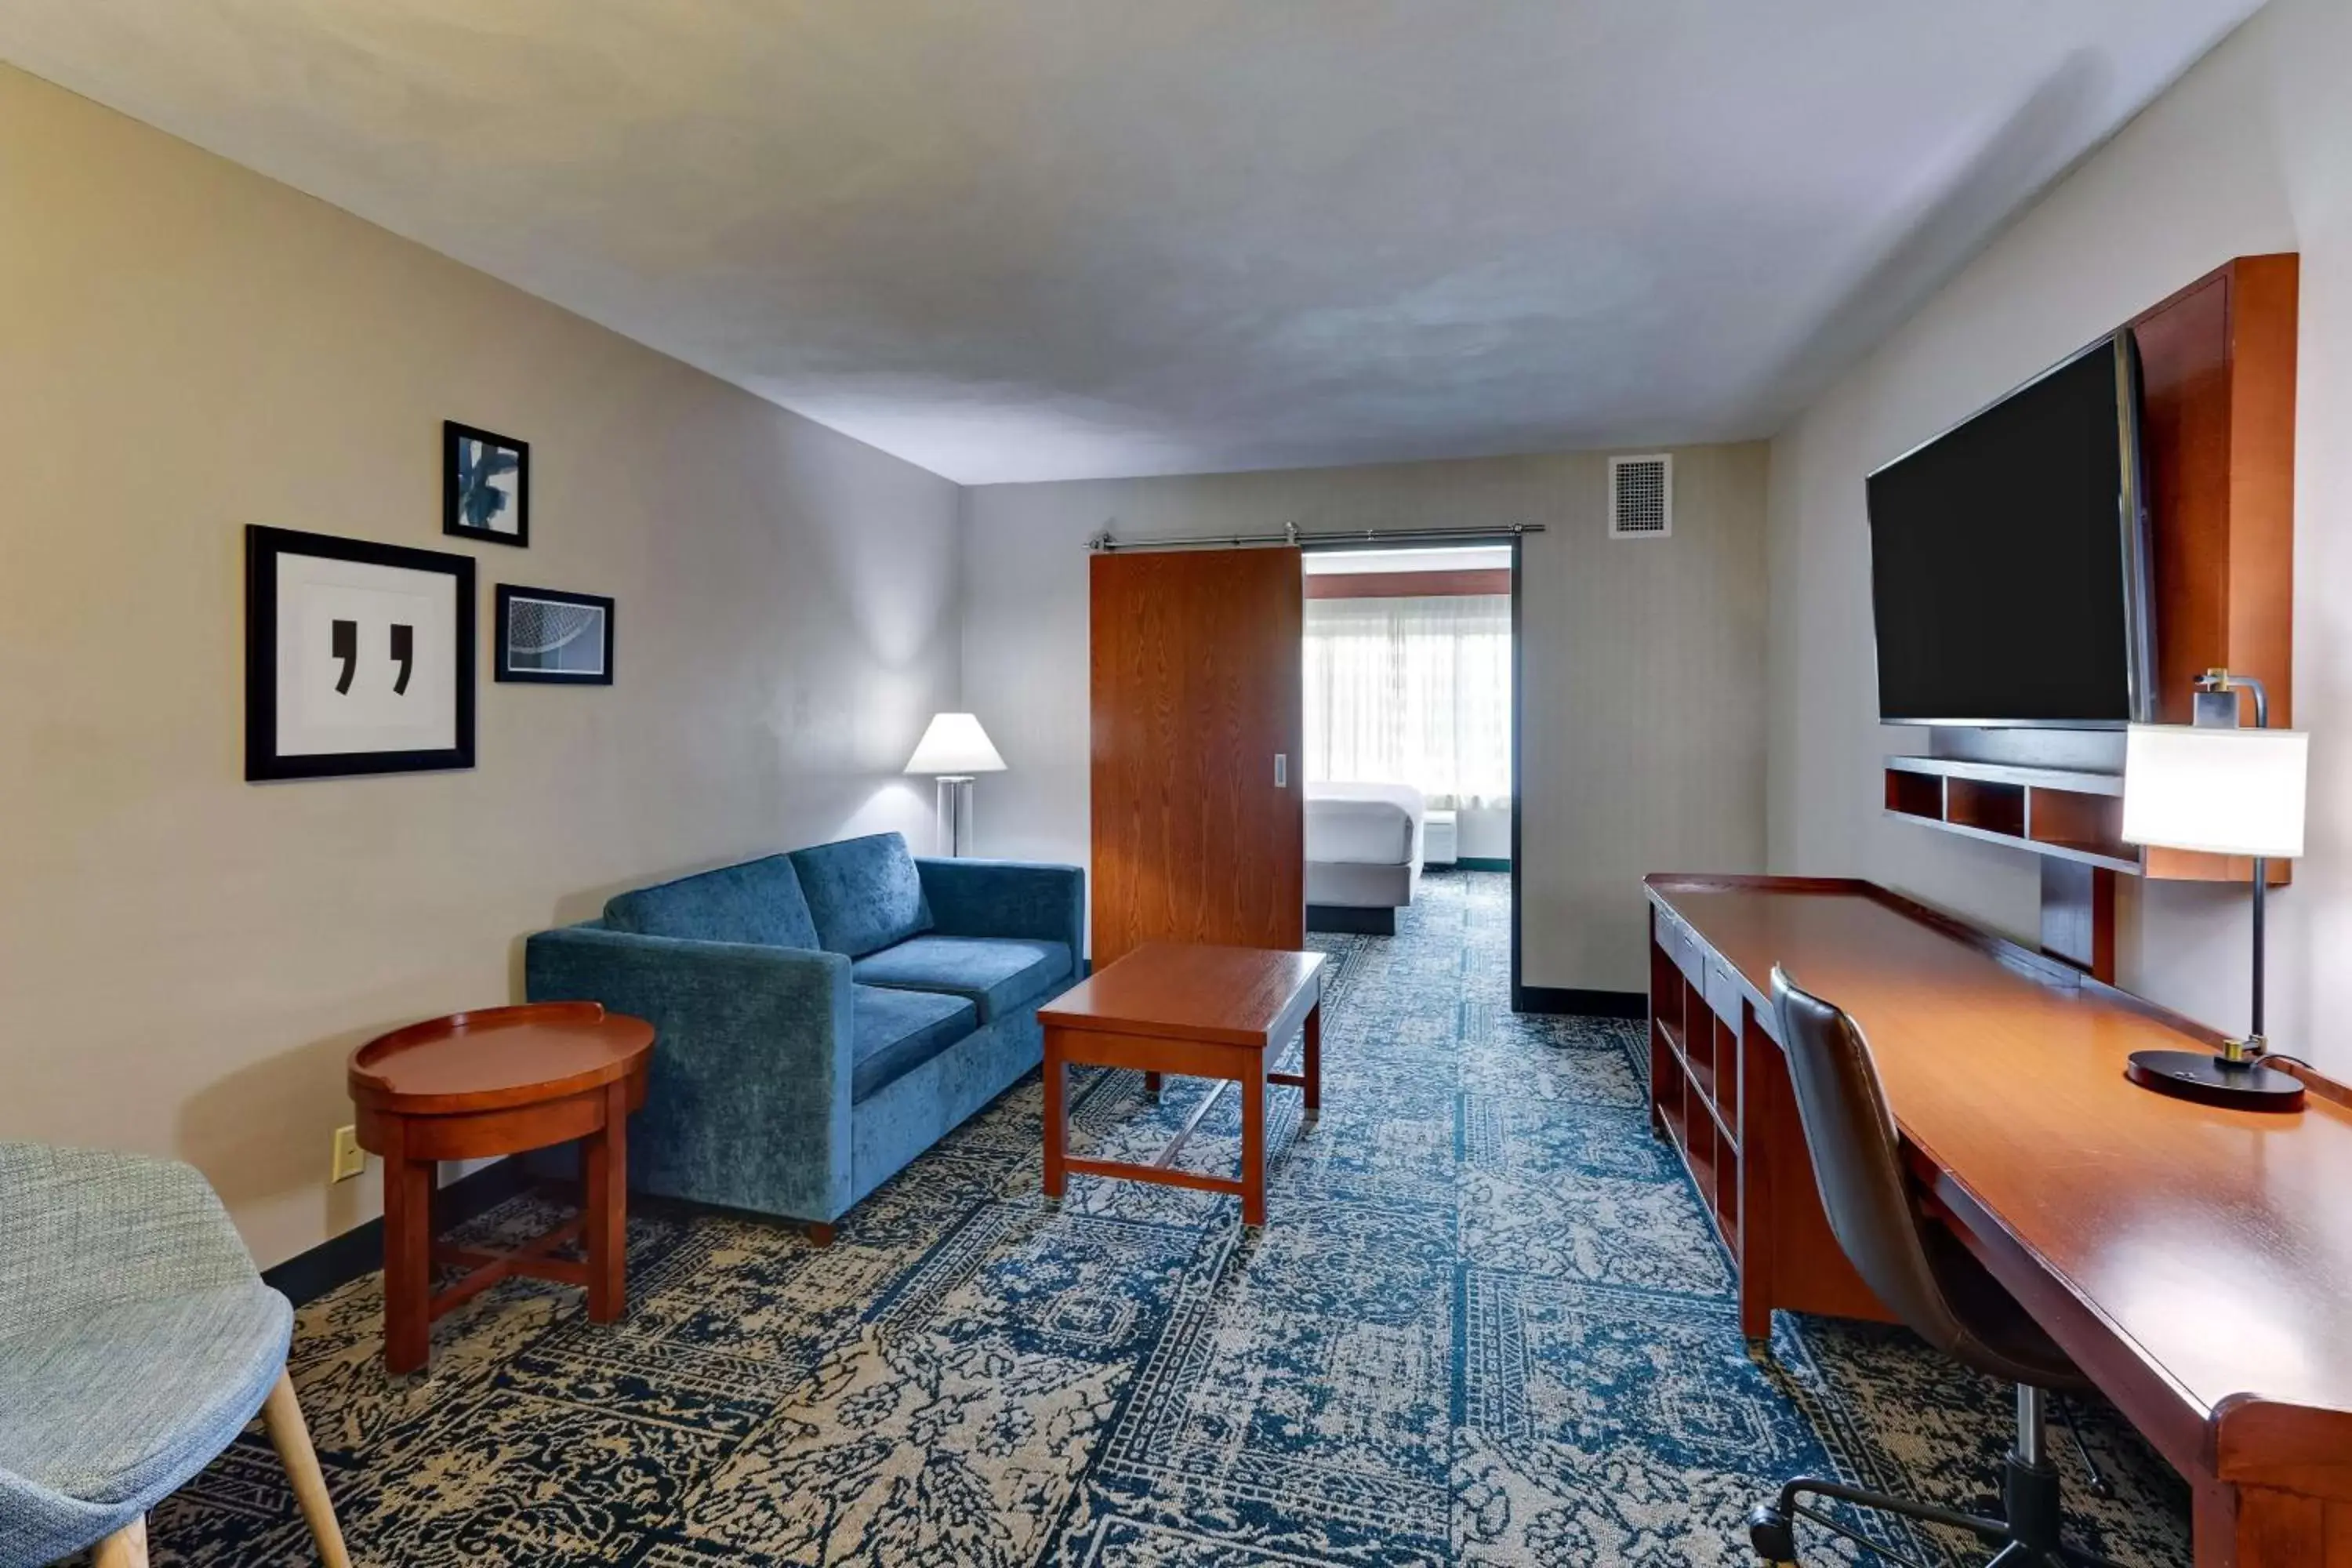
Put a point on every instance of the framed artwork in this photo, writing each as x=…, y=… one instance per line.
x=359, y=657
x=547, y=634
x=484, y=485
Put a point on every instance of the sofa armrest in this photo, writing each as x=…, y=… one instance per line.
x=1007, y=897
x=747, y=1101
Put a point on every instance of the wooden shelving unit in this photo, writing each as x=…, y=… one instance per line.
x=1695, y=1073
x=2056, y=812
x=2064, y=813
x=1720, y=1094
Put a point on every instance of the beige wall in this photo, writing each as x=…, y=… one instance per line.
x=1644, y=748
x=186, y=348
x=2249, y=153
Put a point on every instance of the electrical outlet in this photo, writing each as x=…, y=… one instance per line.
x=349, y=1159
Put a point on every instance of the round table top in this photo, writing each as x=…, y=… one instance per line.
x=499, y=1056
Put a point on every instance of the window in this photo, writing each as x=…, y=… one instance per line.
x=1414, y=691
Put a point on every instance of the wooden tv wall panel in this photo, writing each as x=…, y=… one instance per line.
x=2216, y=365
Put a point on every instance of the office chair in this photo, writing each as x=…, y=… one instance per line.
x=1926, y=1277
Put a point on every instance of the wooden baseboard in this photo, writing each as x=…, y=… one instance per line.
x=340, y=1259
x=1580, y=1002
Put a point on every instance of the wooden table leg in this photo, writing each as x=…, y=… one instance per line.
x=1312, y=1068
x=607, y=1161
x=1152, y=1084
x=1253, y=1139
x=407, y=1257
x=1056, y=1132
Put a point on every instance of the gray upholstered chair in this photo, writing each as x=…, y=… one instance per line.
x=136, y=1341
x=1923, y=1274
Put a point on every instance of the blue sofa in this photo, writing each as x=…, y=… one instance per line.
x=822, y=1017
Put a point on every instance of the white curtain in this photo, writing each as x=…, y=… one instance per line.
x=1411, y=692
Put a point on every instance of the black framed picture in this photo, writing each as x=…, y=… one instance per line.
x=359, y=657
x=547, y=634
x=484, y=485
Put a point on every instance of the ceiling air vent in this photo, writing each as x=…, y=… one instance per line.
x=1642, y=497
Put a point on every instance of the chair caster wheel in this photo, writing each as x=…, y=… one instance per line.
x=1773, y=1534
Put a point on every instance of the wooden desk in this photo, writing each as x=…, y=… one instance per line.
x=2196, y=1262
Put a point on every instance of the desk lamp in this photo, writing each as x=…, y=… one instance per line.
x=2215, y=787
x=954, y=750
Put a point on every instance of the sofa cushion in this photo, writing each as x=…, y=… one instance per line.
x=998, y=973
x=863, y=893
x=892, y=1033
x=758, y=901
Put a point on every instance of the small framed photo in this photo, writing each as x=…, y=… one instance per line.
x=547, y=634
x=484, y=485
x=359, y=657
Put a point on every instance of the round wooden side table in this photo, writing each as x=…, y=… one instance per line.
x=498, y=1081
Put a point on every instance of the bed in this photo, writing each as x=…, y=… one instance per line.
x=1363, y=855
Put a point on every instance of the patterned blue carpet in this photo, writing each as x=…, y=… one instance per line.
x=1487, y=1324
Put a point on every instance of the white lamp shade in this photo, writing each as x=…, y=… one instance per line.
x=2226, y=792
x=955, y=744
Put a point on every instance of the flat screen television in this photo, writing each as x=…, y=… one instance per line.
x=2009, y=559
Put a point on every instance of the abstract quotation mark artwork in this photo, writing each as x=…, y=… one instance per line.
x=484, y=485
x=346, y=649
x=359, y=657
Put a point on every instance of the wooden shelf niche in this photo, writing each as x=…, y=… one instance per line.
x=2065, y=814
x=2057, y=812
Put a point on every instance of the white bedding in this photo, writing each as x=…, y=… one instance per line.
x=1363, y=825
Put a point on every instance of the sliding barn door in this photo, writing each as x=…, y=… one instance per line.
x=1199, y=832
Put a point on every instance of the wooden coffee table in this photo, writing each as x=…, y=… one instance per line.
x=498, y=1081
x=1200, y=1012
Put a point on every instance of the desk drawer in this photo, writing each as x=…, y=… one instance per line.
x=1724, y=993
x=1690, y=956
x=1672, y=937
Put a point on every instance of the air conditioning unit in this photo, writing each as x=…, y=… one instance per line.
x=1438, y=844
x=1642, y=497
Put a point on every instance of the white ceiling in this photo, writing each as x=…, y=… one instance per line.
x=1029, y=239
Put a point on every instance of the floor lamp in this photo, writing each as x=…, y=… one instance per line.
x=953, y=750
